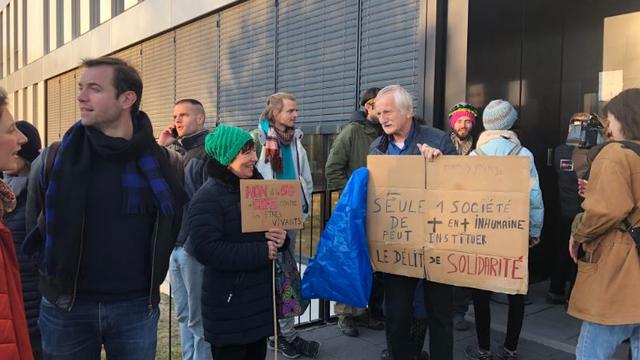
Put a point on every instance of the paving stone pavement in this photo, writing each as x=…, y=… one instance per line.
x=548, y=334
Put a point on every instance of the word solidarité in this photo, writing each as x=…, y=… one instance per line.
x=479, y=265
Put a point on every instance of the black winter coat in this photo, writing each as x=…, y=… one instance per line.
x=15, y=221
x=236, y=288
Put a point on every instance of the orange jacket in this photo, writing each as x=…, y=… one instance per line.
x=14, y=336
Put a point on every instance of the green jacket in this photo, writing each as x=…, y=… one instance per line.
x=349, y=150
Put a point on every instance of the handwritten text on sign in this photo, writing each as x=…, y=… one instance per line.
x=466, y=225
x=268, y=204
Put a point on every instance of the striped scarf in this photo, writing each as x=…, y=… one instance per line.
x=272, y=147
x=66, y=191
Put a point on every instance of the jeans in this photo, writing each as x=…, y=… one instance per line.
x=126, y=329
x=399, y=308
x=599, y=342
x=252, y=351
x=482, y=308
x=186, y=287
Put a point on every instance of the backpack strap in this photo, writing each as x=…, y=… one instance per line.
x=515, y=150
x=631, y=146
x=49, y=160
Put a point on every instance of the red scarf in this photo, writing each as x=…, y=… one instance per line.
x=275, y=138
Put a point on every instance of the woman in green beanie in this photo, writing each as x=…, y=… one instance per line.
x=236, y=291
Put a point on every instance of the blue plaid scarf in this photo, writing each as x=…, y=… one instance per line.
x=65, y=198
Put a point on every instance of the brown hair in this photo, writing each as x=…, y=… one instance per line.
x=274, y=105
x=125, y=77
x=581, y=116
x=4, y=98
x=626, y=109
x=195, y=103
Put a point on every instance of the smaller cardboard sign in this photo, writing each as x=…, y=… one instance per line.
x=268, y=204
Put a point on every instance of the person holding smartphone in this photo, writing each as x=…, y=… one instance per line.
x=186, y=136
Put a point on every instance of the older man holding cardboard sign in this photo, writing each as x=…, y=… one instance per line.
x=459, y=220
x=404, y=136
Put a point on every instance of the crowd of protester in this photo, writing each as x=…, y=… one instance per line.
x=91, y=225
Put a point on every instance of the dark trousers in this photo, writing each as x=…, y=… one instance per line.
x=399, y=296
x=563, y=267
x=376, y=299
x=461, y=299
x=253, y=351
x=482, y=309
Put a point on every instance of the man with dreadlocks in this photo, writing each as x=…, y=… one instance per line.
x=282, y=157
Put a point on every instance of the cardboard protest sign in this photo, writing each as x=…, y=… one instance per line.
x=267, y=204
x=474, y=214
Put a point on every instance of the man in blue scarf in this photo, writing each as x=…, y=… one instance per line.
x=112, y=206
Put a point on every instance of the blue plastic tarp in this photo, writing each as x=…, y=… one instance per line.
x=341, y=270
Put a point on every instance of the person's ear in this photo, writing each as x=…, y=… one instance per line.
x=128, y=98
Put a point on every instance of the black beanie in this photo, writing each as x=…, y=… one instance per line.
x=31, y=149
x=369, y=94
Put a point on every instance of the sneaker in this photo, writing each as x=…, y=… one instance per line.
x=347, y=326
x=285, y=348
x=460, y=323
x=555, y=299
x=365, y=320
x=505, y=354
x=473, y=353
x=308, y=348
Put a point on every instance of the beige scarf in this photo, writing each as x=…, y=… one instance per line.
x=462, y=146
x=489, y=135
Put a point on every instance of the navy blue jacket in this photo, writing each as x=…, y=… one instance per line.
x=236, y=287
x=433, y=137
x=191, y=147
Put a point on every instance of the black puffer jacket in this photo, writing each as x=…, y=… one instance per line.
x=15, y=221
x=236, y=289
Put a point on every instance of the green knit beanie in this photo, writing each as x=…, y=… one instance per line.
x=225, y=142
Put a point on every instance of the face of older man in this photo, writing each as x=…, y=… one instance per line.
x=394, y=120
